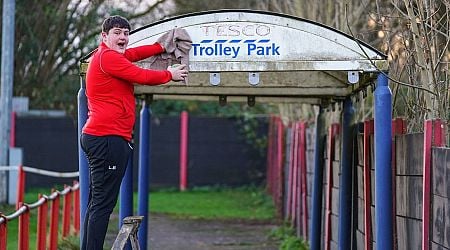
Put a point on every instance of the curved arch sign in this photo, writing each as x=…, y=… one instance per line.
x=268, y=56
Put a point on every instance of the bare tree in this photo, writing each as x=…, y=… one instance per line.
x=415, y=35
x=52, y=38
x=328, y=12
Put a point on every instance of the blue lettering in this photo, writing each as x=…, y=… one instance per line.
x=195, y=45
x=275, y=50
x=250, y=48
x=235, y=51
x=271, y=50
x=217, y=49
x=209, y=51
x=227, y=51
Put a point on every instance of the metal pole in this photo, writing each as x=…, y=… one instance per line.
x=345, y=180
x=316, y=206
x=83, y=167
x=7, y=80
x=144, y=173
x=126, y=195
x=383, y=169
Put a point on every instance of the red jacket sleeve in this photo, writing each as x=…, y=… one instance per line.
x=116, y=65
x=142, y=52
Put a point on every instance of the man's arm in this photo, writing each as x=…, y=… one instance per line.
x=116, y=65
x=142, y=52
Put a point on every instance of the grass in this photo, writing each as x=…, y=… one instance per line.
x=246, y=203
x=288, y=239
x=214, y=203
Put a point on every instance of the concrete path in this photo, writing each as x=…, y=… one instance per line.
x=167, y=233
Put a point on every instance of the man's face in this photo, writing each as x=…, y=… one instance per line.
x=116, y=39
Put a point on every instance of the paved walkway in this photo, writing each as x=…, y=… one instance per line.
x=166, y=233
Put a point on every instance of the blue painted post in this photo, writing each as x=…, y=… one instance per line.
x=345, y=180
x=126, y=196
x=144, y=166
x=383, y=167
x=317, y=189
x=83, y=166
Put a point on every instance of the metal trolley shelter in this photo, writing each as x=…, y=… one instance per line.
x=255, y=56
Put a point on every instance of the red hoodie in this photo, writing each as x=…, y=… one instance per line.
x=110, y=91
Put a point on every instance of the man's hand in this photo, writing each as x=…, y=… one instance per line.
x=178, y=72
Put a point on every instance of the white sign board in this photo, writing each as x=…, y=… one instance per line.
x=253, y=41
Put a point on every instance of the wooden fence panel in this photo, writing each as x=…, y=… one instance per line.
x=440, y=198
x=409, y=154
x=409, y=190
x=409, y=233
x=409, y=196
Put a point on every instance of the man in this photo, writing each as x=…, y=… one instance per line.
x=107, y=134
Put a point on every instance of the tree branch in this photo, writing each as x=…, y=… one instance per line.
x=373, y=63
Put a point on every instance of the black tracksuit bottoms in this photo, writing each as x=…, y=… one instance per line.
x=108, y=158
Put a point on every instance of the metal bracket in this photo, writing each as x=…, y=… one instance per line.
x=222, y=100
x=253, y=78
x=251, y=100
x=353, y=77
x=214, y=78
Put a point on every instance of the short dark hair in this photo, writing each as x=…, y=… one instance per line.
x=115, y=22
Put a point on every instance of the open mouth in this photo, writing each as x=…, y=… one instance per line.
x=121, y=45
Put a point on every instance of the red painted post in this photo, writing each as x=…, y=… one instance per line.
x=368, y=130
x=41, y=235
x=296, y=179
x=275, y=159
x=54, y=221
x=3, y=232
x=20, y=187
x=398, y=128
x=183, y=150
x=279, y=168
x=269, y=155
x=439, y=134
x=294, y=173
x=66, y=212
x=290, y=177
x=24, y=228
x=333, y=130
x=303, y=181
x=76, y=207
x=427, y=144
